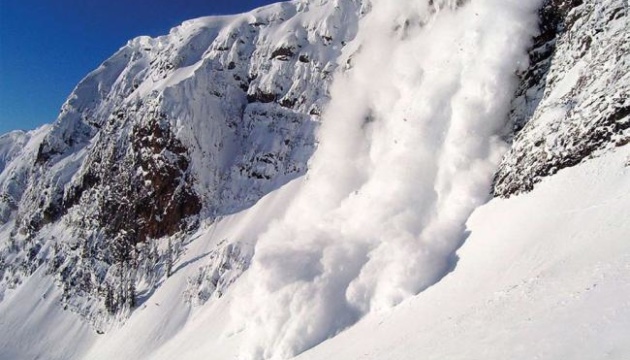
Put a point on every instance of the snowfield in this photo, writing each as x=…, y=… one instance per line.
x=313, y=180
x=543, y=275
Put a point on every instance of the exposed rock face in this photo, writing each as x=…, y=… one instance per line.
x=573, y=101
x=12, y=175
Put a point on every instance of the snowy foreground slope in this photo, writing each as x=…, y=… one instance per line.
x=308, y=180
x=545, y=275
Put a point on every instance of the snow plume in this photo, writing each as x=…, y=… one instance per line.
x=408, y=148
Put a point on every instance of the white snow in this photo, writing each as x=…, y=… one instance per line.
x=361, y=258
x=543, y=275
x=34, y=326
x=17, y=150
x=408, y=148
x=580, y=101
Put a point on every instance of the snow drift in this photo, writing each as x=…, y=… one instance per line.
x=408, y=148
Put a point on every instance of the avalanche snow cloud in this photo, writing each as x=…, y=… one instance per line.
x=408, y=148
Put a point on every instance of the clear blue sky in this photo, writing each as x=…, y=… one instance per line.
x=47, y=46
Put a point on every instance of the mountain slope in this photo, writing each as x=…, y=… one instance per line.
x=252, y=186
x=168, y=133
x=573, y=102
x=524, y=287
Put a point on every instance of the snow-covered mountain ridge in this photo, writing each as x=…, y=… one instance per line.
x=172, y=181
x=171, y=131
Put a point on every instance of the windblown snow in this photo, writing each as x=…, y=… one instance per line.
x=340, y=155
x=408, y=148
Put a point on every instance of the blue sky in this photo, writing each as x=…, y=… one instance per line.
x=47, y=46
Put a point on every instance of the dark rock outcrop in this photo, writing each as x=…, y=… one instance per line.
x=573, y=100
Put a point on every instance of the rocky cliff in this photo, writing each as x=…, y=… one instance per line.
x=167, y=133
x=573, y=101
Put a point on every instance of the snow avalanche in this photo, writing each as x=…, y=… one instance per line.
x=407, y=150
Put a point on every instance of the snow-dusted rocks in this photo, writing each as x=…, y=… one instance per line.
x=573, y=103
x=167, y=133
x=12, y=175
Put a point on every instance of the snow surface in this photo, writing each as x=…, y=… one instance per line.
x=207, y=85
x=407, y=149
x=18, y=150
x=544, y=275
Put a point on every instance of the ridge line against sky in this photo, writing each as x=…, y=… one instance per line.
x=47, y=47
